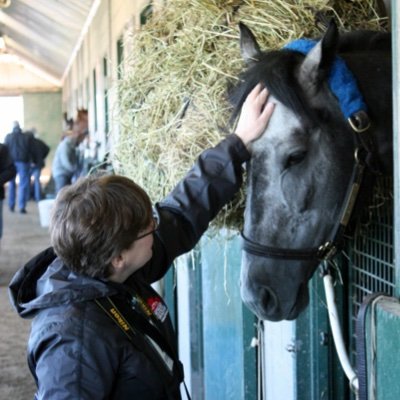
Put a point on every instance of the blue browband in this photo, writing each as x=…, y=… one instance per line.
x=341, y=80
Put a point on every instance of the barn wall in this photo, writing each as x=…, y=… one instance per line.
x=90, y=80
x=43, y=112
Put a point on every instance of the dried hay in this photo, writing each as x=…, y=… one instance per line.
x=172, y=97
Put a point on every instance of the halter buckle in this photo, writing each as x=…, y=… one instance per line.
x=327, y=250
x=359, y=121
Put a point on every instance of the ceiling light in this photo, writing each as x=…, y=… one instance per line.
x=4, y=3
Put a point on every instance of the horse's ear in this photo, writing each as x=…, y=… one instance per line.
x=249, y=48
x=316, y=66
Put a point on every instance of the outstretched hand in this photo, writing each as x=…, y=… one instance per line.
x=255, y=115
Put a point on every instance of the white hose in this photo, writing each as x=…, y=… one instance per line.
x=337, y=332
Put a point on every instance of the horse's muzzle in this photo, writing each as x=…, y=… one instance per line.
x=276, y=290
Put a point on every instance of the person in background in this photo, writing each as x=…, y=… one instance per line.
x=109, y=246
x=40, y=151
x=7, y=172
x=19, y=145
x=66, y=158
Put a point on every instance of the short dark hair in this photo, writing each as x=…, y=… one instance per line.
x=95, y=219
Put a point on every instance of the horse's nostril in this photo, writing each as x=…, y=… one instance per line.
x=268, y=298
x=274, y=306
x=269, y=305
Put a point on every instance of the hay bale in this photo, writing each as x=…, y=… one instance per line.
x=172, y=101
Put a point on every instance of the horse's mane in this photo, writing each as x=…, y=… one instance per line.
x=277, y=70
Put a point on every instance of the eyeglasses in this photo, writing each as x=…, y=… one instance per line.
x=153, y=229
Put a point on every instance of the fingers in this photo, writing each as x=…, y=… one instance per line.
x=263, y=108
x=255, y=114
x=263, y=96
x=256, y=105
x=255, y=92
x=267, y=112
x=257, y=98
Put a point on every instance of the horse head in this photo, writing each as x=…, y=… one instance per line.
x=81, y=123
x=299, y=176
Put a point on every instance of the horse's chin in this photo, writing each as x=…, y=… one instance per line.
x=299, y=306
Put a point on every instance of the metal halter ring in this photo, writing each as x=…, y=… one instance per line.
x=359, y=121
x=327, y=250
x=359, y=156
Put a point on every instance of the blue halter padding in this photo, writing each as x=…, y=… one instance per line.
x=341, y=80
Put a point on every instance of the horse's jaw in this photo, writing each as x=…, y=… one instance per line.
x=275, y=290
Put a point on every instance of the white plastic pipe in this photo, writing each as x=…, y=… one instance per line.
x=337, y=332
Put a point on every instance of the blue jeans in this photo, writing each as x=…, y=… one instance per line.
x=61, y=180
x=23, y=187
x=37, y=187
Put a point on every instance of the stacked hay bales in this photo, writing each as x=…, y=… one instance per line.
x=172, y=98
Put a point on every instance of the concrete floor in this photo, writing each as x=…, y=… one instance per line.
x=23, y=237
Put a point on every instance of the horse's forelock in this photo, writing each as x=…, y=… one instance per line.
x=277, y=71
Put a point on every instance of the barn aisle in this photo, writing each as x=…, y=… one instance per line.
x=23, y=237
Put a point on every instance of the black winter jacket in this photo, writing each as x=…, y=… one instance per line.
x=75, y=351
x=39, y=152
x=20, y=145
x=7, y=168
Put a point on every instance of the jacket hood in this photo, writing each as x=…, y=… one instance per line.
x=46, y=282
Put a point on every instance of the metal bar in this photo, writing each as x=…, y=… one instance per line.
x=395, y=14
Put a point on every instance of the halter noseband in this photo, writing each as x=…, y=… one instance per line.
x=260, y=250
x=358, y=119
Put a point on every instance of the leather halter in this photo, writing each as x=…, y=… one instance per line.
x=344, y=86
x=363, y=156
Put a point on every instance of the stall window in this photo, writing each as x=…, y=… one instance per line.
x=106, y=110
x=146, y=14
x=95, y=99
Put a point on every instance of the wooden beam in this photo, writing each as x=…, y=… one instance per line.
x=88, y=22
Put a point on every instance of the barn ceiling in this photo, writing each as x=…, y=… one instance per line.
x=44, y=35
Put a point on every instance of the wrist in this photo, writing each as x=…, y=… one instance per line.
x=246, y=142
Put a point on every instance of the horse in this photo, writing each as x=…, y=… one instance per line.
x=78, y=126
x=81, y=123
x=329, y=136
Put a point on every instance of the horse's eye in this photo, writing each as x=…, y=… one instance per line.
x=295, y=158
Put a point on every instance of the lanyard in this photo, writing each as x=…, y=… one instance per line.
x=147, y=338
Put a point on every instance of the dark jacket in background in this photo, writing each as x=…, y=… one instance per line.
x=7, y=168
x=69, y=329
x=39, y=152
x=19, y=145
